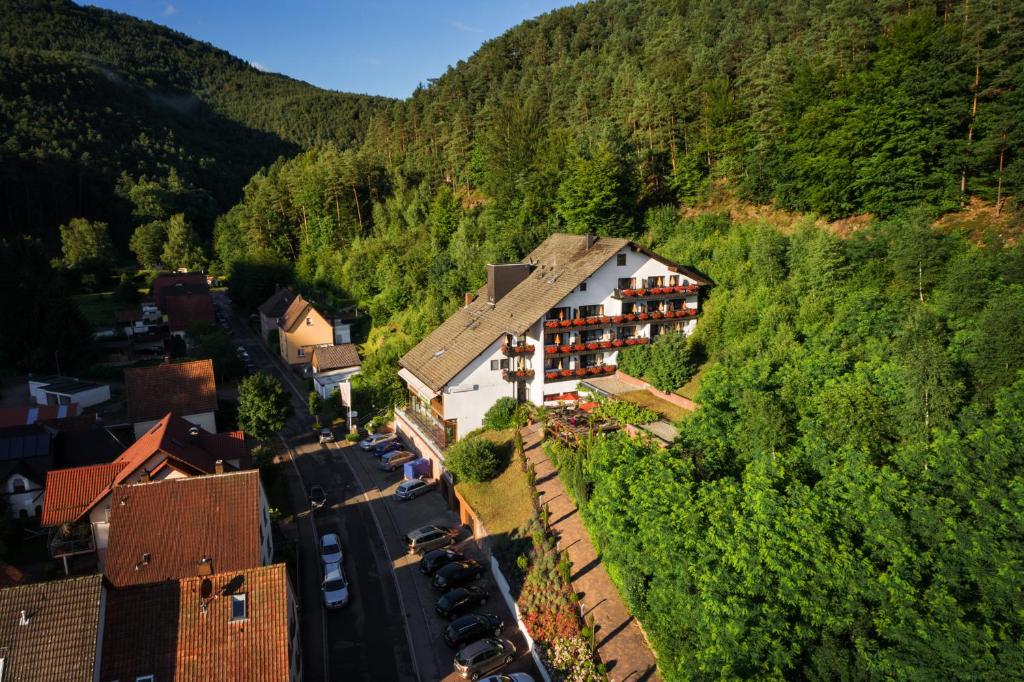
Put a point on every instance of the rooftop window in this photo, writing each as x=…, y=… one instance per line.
x=620, y=259
x=239, y=609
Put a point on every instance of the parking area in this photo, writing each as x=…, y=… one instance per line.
x=397, y=517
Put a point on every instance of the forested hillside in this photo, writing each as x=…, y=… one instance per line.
x=87, y=95
x=846, y=502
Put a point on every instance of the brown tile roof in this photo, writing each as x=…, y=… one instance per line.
x=67, y=490
x=180, y=282
x=178, y=521
x=184, y=310
x=278, y=303
x=11, y=575
x=59, y=641
x=183, y=388
x=70, y=493
x=16, y=416
x=326, y=358
x=294, y=313
x=162, y=630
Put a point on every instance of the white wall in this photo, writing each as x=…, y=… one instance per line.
x=327, y=382
x=205, y=420
x=87, y=398
x=267, y=546
x=468, y=406
x=27, y=500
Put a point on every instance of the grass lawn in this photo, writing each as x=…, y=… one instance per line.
x=504, y=504
x=689, y=390
x=98, y=308
x=663, y=407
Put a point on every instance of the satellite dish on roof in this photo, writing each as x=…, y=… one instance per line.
x=206, y=588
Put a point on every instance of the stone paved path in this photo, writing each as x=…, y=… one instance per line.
x=620, y=642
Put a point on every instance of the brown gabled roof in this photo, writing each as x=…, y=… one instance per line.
x=278, y=303
x=559, y=265
x=163, y=629
x=194, y=282
x=183, y=388
x=294, y=313
x=326, y=358
x=71, y=493
x=184, y=310
x=178, y=521
x=59, y=642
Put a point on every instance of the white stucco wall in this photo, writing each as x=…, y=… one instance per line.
x=475, y=389
x=27, y=500
x=205, y=420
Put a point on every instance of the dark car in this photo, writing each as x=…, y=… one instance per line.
x=437, y=558
x=317, y=497
x=460, y=600
x=386, y=447
x=472, y=627
x=457, y=574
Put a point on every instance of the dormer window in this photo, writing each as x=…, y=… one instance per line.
x=309, y=321
x=18, y=485
x=239, y=610
x=620, y=259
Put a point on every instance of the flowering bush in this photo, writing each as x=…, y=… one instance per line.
x=569, y=658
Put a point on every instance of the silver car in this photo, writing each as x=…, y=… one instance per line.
x=335, y=586
x=483, y=656
x=393, y=460
x=330, y=549
x=413, y=488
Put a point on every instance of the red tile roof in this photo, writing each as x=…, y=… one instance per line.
x=162, y=629
x=17, y=416
x=184, y=388
x=191, y=452
x=184, y=310
x=59, y=641
x=177, y=522
x=71, y=493
x=181, y=282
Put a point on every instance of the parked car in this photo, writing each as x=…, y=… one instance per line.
x=317, y=497
x=330, y=548
x=458, y=601
x=335, y=586
x=472, y=627
x=483, y=656
x=427, y=538
x=375, y=439
x=437, y=558
x=395, y=459
x=326, y=435
x=413, y=488
x=387, y=446
x=457, y=574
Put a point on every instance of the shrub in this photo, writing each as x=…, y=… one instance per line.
x=635, y=361
x=625, y=412
x=473, y=459
x=504, y=414
x=352, y=437
x=671, y=363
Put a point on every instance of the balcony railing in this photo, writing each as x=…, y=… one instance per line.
x=70, y=546
x=517, y=350
x=554, y=351
x=604, y=321
x=656, y=292
x=578, y=373
x=428, y=426
x=517, y=374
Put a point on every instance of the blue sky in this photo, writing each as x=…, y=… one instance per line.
x=380, y=47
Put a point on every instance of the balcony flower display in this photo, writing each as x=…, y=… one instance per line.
x=581, y=372
x=679, y=288
x=579, y=322
x=629, y=292
x=604, y=319
x=617, y=319
x=656, y=315
x=643, y=316
x=591, y=346
x=618, y=343
x=604, y=344
x=631, y=342
x=565, y=373
x=564, y=323
x=566, y=348
x=550, y=350
x=550, y=375
x=595, y=370
x=551, y=324
x=630, y=317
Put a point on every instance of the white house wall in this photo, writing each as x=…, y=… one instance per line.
x=475, y=389
x=27, y=500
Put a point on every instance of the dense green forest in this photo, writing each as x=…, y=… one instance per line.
x=89, y=95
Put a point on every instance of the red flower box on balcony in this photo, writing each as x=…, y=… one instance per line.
x=628, y=292
x=579, y=322
x=591, y=346
x=565, y=373
x=579, y=347
x=631, y=342
x=617, y=319
x=643, y=340
x=692, y=289
x=551, y=350
x=551, y=324
x=605, y=319
x=581, y=372
x=679, y=288
x=592, y=320
x=643, y=316
x=618, y=343
x=630, y=317
x=565, y=349
x=551, y=375
x=609, y=369
x=604, y=344
x=564, y=323
x=656, y=315
x=596, y=370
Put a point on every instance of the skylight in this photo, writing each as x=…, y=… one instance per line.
x=238, y=607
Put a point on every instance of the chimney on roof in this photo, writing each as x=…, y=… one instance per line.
x=469, y=298
x=503, y=278
x=591, y=240
x=23, y=619
x=205, y=565
x=218, y=466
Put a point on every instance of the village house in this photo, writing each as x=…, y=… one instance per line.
x=60, y=390
x=77, y=504
x=302, y=328
x=273, y=309
x=187, y=389
x=537, y=329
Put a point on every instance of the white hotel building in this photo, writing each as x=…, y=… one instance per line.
x=537, y=329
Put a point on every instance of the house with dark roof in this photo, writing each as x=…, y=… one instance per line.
x=58, y=390
x=186, y=389
x=53, y=630
x=182, y=527
x=273, y=310
x=178, y=283
x=333, y=368
x=303, y=327
x=229, y=626
x=77, y=504
x=185, y=309
x=538, y=328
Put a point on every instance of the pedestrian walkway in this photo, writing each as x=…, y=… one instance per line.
x=620, y=641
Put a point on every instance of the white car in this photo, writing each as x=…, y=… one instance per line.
x=330, y=549
x=334, y=587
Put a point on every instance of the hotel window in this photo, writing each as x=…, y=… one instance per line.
x=673, y=280
x=583, y=287
x=301, y=352
x=499, y=364
x=620, y=259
